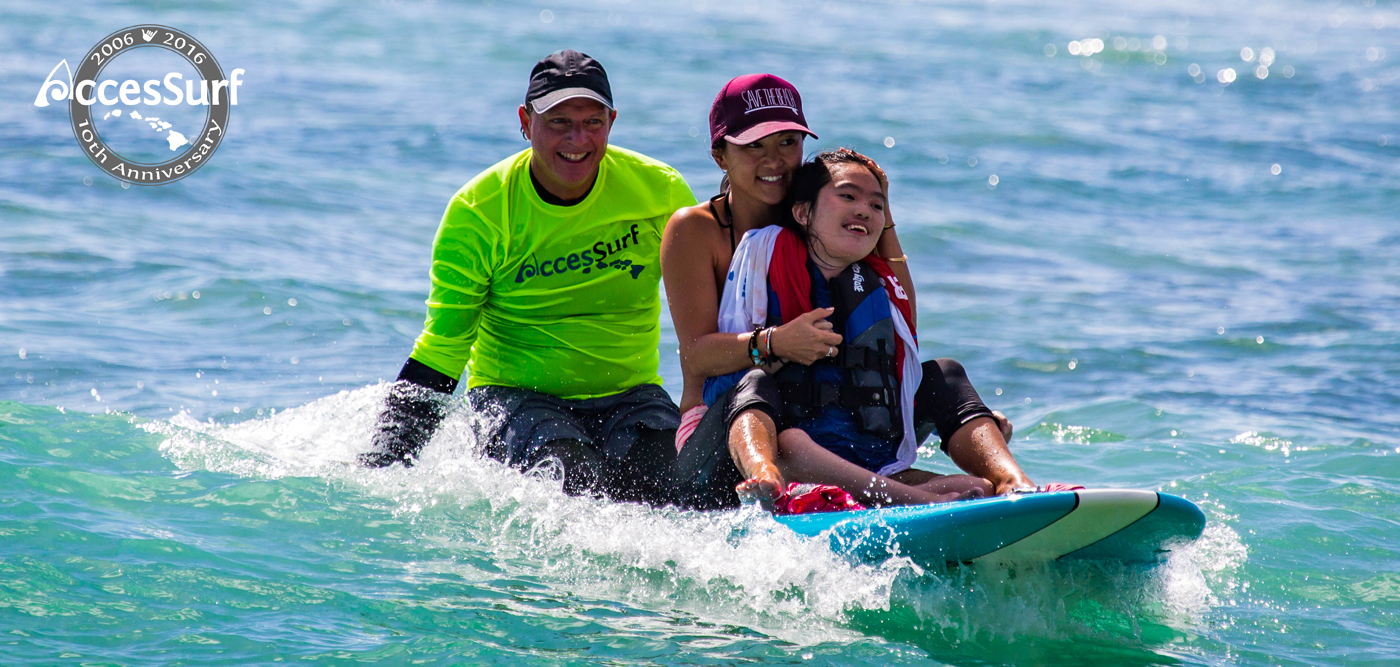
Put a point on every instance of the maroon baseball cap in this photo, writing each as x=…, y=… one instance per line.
x=753, y=106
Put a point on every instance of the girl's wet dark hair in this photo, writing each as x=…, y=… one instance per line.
x=807, y=183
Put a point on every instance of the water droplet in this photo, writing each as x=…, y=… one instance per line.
x=1288, y=71
x=345, y=321
x=1075, y=48
x=1276, y=170
x=972, y=161
x=1120, y=43
x=1173, y=433
x=214, y=392
x=1193, y=69
x=1247, y=54
x=694, y=131
x=889, y=142
x=87, y=180
x=1050, y=50
x=1028, y=400
x=23, y=353
x=1261, y=72
x=195, y=294
x=126, y=186
x=992, y=181
x=1226, y=76
x=296, y=360
x=235, y=409
x=1159, y=42
x=292, y=302
x=1073, y=363
x=140, y=385
x=1259, y=340
x=998, y=391
x=267, y=310
x=1266, y=57
x=1220, y=330
x=546, y=16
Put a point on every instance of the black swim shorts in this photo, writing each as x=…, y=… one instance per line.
x=631, y=435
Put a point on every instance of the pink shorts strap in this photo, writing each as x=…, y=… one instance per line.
x=689, y=421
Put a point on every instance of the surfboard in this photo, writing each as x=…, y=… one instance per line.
x=1125, y=525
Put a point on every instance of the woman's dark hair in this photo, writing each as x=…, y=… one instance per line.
x=808, y=181
x=716, y=150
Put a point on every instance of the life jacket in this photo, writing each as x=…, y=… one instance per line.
x=863, y=377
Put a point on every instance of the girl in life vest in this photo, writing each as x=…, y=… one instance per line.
x=847, y=420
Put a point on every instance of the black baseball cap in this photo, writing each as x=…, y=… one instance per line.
x=564, y=76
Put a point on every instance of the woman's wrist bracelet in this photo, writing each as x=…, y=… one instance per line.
x=768, y=342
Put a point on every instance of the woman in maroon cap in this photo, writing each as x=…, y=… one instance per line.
x=727, y=441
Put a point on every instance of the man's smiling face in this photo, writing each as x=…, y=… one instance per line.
x=568, y=141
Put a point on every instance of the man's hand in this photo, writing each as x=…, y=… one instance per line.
x=1003, y=424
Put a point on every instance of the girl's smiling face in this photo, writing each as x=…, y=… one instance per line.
x=846, y=221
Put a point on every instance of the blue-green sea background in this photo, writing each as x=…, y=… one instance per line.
x=1167, y=282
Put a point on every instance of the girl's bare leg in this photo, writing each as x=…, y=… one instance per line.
x=802, y=460
x=979, y=448
x=753, y=444
x=936, y=483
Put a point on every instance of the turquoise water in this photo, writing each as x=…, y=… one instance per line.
x=1152, y=305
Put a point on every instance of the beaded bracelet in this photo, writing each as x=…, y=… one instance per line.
x=754, y=356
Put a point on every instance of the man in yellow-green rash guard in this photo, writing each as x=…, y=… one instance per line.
x=545, y=296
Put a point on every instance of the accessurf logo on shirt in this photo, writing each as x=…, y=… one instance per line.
x=585, y=261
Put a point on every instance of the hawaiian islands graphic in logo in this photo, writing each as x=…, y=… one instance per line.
x=175, y=139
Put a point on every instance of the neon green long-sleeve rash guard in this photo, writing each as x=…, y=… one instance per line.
x=563, y=300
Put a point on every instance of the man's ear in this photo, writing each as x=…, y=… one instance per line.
x=524, y=123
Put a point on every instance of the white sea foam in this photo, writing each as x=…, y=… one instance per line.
x=738, y=567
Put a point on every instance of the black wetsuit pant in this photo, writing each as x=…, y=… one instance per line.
x=622, y=446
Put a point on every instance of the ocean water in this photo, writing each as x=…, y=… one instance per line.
x=1166, y=281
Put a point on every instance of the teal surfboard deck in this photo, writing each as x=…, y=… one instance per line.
x=1124, y=525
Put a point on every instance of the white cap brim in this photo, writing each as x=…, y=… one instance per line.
x=546, y=102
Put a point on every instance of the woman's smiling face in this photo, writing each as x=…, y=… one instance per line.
x=763, y=169
x=848, y=217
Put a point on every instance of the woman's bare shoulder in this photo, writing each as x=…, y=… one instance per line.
x=694, y=224
x=692, y=217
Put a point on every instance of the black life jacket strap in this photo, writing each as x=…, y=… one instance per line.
x=817, y=395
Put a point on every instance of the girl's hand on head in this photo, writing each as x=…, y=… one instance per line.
x=875, y=168
x=807, y=339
